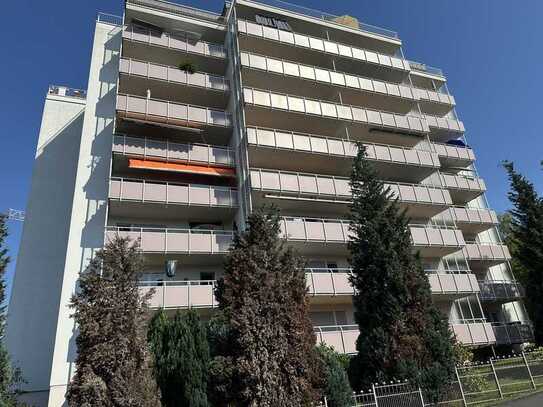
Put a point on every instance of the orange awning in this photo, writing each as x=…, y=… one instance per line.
x=180, y=167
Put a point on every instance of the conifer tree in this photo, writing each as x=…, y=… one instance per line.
x=181, y=355
x=337, y=389
x=113, y=363
x=271, y=358
x=527, y=234
x=402, y=334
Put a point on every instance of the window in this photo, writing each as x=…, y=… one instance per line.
x=273, y=22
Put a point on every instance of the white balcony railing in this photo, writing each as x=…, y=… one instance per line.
x=327, y=145
x=326, y=76
x=348, y=113
x=492, y=252
x=340, y=337
x=495, y=290
x=179, y=42
x=444, y=123
x=172, y=74
x=169, y=112
x=460, y=214
x=140, y=190
x=338, y=187
x=440, y=236
x=462, y=182
x=165, y=149
x=454, y=152
x=475, y=332
x=173, y=240
x=433, y=96
x=445, y=283
x=330, y=282
x=180, y=294
x=320, y=45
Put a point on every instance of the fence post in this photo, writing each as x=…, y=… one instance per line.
x=421, y=398
x=496, y=378
x=529, y=371
x=374, y=395
x=325, y=402
x=460, y=386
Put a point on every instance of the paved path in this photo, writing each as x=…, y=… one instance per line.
x=535, y=400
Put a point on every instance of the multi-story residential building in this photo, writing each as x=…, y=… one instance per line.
x=278, y=96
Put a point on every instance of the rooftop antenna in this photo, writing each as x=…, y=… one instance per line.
x=16, y=215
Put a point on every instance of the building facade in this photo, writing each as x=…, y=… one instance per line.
x=192, y=119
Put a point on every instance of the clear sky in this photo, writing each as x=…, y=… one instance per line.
x=490, y=51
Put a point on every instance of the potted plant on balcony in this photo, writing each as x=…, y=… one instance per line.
x=188, y=67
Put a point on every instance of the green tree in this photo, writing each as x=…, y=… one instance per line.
x=181, y=355
x=337, y=389
x=402, y=334
x=9, y=377
x=113, y=362
x=526, y=233
x=505, y=221
x=270, y=358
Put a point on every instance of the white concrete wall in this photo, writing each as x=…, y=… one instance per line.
x=34, y=304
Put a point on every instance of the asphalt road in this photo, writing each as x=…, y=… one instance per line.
x=535, y=400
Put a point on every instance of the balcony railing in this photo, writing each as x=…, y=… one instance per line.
x=338, y=188
x=340, y=337
x=443, y=123
x=455, y=152
x=141, y=190
x=325, y=76
x=513, y=333
x=172, y=74
x=433, y=96
x=445, y=283
x=162, y=111
x=461, y=214
x=180, y=294
x=180, y=10
x=330, y=18
x=463, y=182
x=441, y=236
x=335, y=111
x=495, y=290
x=197, y=153
x=475, y=332
x=179, y=42
x=333, y=146
x=173, y=240
x=417, y=66
x=326, y=281
x=320, y=45
x=66, y=91
x=492, y=252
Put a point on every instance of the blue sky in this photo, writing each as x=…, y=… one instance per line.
x=490, y=51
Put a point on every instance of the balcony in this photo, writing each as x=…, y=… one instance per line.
x=311, y=81
x=434, y=103
x=484, y=255
x=340, y=337
x=329, y=286
x=463, y=188
x=293, y=191
x=312, y=153
x=171, y=83
x=190, y=245
x=155, y=46
x=312, y=236
x=476, y=332
x=180, y=294
x=454, y=156
x=266, y=109
x=513, y=333
x=176, y=152
x=183, y=117
x=473, y=220
x=500, y=291
x=451, y=286
x=319, y=52
x=419, y=68
x=443, y=128
x=139, y=198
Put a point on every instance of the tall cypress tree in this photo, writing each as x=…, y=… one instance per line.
x=527, y=233
x=271, y=358
x=113, y=362
x=181, y=355
x=402, y=334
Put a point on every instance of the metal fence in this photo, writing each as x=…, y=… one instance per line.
x=475, y=384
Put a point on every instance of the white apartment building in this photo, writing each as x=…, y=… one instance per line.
x=278, y=95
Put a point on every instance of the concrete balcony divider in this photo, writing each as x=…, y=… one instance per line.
x=489, y=252
x=474, y=332
x=141, y=190
x=457, y=153
x=450, y=284
x=334, y=111
x=178, y=42
x=154, y=110
x=340, y=337
x=339, y=188
x=180, y=294
x=332, y=146
x=172, y=240
x=164, y=149
x=172, y=74
x=513, y=333
x=496, y=290
x=325, y=76
x=321, y=45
